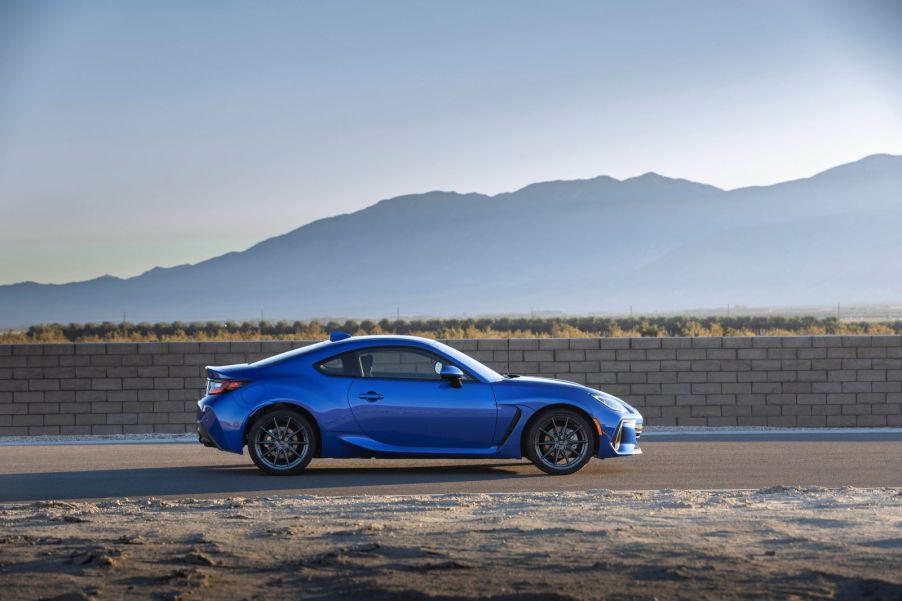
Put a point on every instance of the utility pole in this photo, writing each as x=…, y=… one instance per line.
x=837, y=312
x=398, y=313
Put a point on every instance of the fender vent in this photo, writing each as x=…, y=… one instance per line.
x=510, y=427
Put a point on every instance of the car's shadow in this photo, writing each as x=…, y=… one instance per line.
x=241, y=479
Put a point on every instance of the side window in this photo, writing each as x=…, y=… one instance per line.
x=400, y=363
x=343, y=365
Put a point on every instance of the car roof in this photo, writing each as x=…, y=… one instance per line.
x=327, y=348
x=385, y=339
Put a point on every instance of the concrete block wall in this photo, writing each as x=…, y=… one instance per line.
x=792, y=381
x=112, y=388
x=804, y=381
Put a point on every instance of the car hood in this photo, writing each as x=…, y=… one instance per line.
x=548, y=382
x=554, y=383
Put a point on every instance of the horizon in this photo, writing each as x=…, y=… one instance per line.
x=375, y=202
x=125, y=129
x=645, y=245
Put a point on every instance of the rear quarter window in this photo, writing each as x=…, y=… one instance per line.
x=343, y=365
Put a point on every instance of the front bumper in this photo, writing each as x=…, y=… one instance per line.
x=623, y=440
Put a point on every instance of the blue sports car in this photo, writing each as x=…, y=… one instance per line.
x=402, y=396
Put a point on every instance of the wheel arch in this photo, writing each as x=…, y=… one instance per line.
x=263, y=410
x=548, y=408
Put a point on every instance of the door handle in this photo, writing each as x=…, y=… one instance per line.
x=371, y=396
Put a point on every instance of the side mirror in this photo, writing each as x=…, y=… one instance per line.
x=452, y=374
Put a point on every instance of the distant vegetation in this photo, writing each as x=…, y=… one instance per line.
x=502, y=327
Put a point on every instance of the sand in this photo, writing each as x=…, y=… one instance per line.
x=778, y=543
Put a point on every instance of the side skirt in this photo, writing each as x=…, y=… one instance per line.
x=363, y=446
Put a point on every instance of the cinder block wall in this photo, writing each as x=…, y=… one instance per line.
x=804, y=381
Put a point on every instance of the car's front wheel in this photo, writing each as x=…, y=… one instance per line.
x=281, y=442
x=560, y=442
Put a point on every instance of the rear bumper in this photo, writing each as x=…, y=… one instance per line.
x=217, y=427
x=203, y=437
x=207, y=422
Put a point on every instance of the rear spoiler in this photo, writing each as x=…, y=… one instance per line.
x=224, y=372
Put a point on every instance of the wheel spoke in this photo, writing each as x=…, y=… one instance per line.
x=561, y=442
x=282, y=442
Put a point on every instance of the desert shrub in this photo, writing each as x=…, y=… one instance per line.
x=453, y=328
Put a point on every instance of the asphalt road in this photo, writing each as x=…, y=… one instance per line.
x=29, y=473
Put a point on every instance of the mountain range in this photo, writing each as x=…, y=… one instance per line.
x=594, y=245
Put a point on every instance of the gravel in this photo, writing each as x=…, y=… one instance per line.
x=775, y=543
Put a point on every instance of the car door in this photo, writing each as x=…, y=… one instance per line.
x=401, y=400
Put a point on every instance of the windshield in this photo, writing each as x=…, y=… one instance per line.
x=470, y=363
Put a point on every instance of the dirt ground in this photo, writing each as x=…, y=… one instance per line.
x=778, y=543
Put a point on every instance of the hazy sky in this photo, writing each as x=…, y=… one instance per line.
x=135, y=134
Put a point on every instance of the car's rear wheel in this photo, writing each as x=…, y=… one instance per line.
x=282, y=442
x=560, y=442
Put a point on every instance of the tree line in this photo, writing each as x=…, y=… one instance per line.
x=452, y=328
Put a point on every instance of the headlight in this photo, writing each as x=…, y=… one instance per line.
x=610, y=403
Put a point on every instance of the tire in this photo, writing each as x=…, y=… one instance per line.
x=282, y=442
x=560, y=442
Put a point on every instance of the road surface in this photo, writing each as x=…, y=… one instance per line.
x=29, y=473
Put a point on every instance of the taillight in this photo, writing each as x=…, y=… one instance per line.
x=220, y=386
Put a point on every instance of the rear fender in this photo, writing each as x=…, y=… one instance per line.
x=262, y=410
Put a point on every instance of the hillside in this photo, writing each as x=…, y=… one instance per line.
x=577, y=246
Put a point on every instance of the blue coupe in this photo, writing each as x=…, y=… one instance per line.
x=402, y=396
